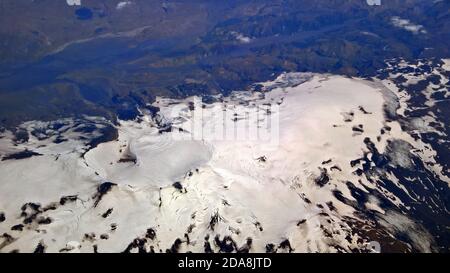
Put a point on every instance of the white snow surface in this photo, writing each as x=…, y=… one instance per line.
x=266, y=200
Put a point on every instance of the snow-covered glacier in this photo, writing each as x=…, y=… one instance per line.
x=304, y=163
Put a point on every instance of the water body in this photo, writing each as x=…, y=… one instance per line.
x=84, y=14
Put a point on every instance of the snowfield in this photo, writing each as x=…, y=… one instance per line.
x=196, y=177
